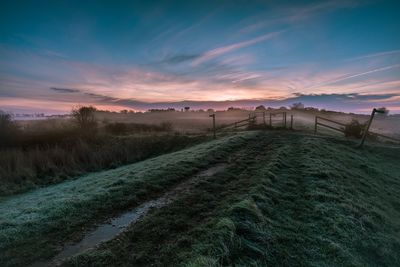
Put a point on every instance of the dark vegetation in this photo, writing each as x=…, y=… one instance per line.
x=8, y=128
x=120, y=128
x=85, y=117
x=354, y=129
x=50, y=151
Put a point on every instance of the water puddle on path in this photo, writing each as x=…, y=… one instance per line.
x=116, y=225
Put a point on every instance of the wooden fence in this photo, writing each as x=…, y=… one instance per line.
x=341, y=128
x=252, y=120
x=238, y=124
x=317, y=122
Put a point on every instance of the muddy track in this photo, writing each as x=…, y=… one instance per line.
x=118, y=224
x=115, y=225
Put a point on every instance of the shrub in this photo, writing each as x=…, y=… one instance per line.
x=120, y=128
x=85, y=117
x=117, y=128
x=25, y=167
x=8, y=129
x=166, y=126
x=354, y=129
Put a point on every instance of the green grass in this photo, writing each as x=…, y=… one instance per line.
x=34, y=224
x=284, y=200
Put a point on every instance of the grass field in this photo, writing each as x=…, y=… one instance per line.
x=284, y=199
x=34, y=224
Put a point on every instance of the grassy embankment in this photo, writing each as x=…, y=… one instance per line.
x=33, y=225
x=284, y=200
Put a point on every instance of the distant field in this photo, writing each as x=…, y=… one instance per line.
x=282, y=199
x=200, y=122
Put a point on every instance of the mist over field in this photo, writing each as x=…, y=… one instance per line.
x=199, y=133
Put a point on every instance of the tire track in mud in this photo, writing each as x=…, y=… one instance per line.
x=118, y=224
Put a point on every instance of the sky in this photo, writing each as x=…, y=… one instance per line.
x=337, y=55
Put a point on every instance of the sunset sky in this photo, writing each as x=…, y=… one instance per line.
x=341, y=55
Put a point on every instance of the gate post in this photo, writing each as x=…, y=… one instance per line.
x=369, y=124
x=285, y=118
x=315, y=125
x=214, y=130
x=264, y=117
x=270, y=119
x=291, y=122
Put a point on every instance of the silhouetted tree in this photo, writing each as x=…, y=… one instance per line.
x=385, y=111
x=7, y=128
x=260, y=107
x=297, y=105
x=85, y=117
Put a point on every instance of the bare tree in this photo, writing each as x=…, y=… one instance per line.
x=85, y=117
x=260, y=107
x=297, y=105
x=5, y=120
x=7, y=128
x=384, y=110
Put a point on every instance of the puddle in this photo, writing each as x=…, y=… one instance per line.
x=115, y=226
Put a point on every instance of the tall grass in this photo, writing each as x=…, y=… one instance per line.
x=49, y=152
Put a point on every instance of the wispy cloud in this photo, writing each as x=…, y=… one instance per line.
x=64, y=90
x=379, y=54
x=292, y=16
x=230, y=48
x=180, y=58
x=347, y=77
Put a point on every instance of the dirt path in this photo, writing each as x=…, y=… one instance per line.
x=196, y=207
x=282, y=200
x=34, y=225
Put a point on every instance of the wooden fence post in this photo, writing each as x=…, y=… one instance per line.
x=284, y=115
x=315, y=126
x=264, y=117
x=214, y=130
x=270, y=119
x=369, y=124
x=291, y=122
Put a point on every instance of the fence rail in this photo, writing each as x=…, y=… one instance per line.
x=252, y=119
x=318, y=123
x=237, y=123
x=384, y=136
x=326, y=125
